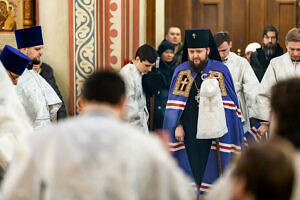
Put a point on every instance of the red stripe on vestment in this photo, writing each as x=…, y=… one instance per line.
x=176, y=104
x=176, y=146
x=257, y=136
x=204, y=187
x=233, y=106
x=226, y=147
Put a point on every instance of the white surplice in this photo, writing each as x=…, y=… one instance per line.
x=94, y=156
x=280, y=68
x=38, y=98
x=136, y=110
x=14, y=122
x=245, y=84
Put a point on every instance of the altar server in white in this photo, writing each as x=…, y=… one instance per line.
x=280, y=68
x=96, y=155
x=136, y=109
x=244, y=79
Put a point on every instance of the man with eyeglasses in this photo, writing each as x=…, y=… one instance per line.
x=260, y=59
x=136, y=109
x=280, y=68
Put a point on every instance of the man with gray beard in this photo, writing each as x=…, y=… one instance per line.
x=260, y=59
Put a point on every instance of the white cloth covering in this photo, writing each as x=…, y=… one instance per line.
x=211, y=109
x=136, y=108
x=38, y=98
x=14, y=122
x=94, y=156
x=280, y=68
x=252, y=47
x=245, y=84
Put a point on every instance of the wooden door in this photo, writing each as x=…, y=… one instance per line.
x=243, y=19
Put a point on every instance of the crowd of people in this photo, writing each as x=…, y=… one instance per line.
x=171, y=124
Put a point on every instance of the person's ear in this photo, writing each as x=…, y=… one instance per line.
x=137, y=59
x=208, y=50
x=286, y=44
x=122, y=106
x=230, y=44
x=81, y=103
x=23, y=50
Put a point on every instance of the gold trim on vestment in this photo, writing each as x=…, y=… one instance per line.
x=220, y=78
x=183, y=83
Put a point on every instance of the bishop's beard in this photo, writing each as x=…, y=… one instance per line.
x=198, y=67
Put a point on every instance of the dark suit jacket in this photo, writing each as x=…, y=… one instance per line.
x=47, y=74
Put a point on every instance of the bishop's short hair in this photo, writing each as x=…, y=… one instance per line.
x=104, y=87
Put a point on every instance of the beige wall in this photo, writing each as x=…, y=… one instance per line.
x=143, y=21
x=55, y=26
x=159, y=22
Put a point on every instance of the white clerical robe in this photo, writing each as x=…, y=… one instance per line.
x=222, y=188
x=245, y=84
x=38, y=98
x=14, y=122
x=94, y=156
x=136, y=110
x=280, y=68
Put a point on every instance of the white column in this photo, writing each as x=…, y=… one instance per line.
x=143, y=21
x=54, y=19
x=159, y=21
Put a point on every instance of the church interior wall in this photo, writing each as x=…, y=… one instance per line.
x=58, y=21
x=53, y=17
